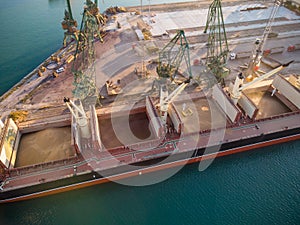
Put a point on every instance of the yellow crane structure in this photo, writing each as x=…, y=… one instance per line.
x=70, y=25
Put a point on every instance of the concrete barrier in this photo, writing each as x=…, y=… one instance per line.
x=297, y=46
x=277, y=50
x=240, y=55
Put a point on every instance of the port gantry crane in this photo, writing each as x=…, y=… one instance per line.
x=172, y=55
x=85, y=90
x=70, y=25
x=92, y=20
x=257, y=53
x=83, y=65
x=170, y=60
x=217, y=46
x=93, y=8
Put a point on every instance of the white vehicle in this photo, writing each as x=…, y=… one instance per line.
x=59, y=70
x=232, y=56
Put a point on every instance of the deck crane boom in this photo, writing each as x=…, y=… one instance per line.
x=239, y=86
x=255, y=59
x=80, y=117
x=166, y=99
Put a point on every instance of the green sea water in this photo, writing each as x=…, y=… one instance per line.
x=256, y=187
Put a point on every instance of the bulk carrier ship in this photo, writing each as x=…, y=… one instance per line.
x=135, y=91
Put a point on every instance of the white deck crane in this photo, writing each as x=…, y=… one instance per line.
x=166, y=99
x=79, y=116
x=239, y=85
x=255, y=59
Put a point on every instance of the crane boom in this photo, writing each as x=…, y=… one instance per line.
x=80, y=117
x=239, y=86
x=70, y=10
x=166, y=99
x=258, y=51
x=260, y=78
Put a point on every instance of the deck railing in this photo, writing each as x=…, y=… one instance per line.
x=43, y=166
